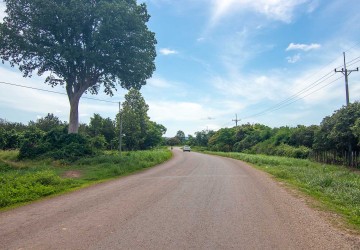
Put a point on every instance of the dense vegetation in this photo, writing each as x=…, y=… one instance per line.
x=339, y=132
x=28, y=180
x=48, y=137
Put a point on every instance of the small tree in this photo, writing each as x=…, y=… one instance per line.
x=84, y=44
x=135, y=120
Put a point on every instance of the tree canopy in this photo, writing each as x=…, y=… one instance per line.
x=82, y=44
x=138, y=131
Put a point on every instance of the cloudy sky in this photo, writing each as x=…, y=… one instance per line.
x=268, y=61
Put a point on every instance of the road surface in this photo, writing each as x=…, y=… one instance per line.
x=193, y=201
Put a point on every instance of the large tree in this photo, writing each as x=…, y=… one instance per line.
x=82, y=44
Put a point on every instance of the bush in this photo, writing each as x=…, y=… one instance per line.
x=56, y=144
x=99, y=142
x=293, y=152
x=31, y=145
x=268, y=148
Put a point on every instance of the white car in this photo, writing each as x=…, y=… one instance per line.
x=186, y=148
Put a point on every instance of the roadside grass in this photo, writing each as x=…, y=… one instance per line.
x=28, y=180
x=336, y=187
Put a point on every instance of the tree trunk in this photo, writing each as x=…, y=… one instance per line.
x=74, y=114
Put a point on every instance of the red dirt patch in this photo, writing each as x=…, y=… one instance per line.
x=72, y=174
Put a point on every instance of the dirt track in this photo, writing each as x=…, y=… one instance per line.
x=194, y=201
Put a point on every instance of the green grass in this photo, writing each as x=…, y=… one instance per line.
x=336, y=187
x=29, y=180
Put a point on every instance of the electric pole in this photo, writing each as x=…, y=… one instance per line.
x=120, y=127
x=236, y=120
x=346, y=73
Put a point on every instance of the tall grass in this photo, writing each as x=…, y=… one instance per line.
x=24, y=181
x=336, y=187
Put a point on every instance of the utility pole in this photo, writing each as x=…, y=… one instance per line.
x=346, y=72
x=120, y=127
x=236, y=120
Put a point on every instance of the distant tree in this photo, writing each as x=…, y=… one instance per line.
x=223, y=140
x=99, y=126
x=181, y=136
x=202, y=137
x=303, y=136
x=173, y=141
x=191, y=140
x=154, y=134
x=135, y=120
x=108, y=130
x=47, y=123
x=96, y=125
x=83, y=44
x=6, y=125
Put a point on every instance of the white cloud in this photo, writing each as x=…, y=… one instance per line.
x=313, y=6
x=281, y=10
x=166, y=51
x=304, y=47
x=293, y=59
x=250, y=88
x=159, y=82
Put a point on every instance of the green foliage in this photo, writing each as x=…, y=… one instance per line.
x=9, y=139
x=88, y=44
x=139, y=132
x=57, y=144
x=32, y=144
x=181, y=136
x=173, y=141
x=99, y=142
x=112, y=164
x=336, y=187
x=223, y=140
x=201, y=138
x=47, y=123
x=337, y=131
x=101, y=127
x=154, y=135
x=18, y=187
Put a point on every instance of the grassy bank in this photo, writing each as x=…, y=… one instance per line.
x=337, y=188
x=24, y=181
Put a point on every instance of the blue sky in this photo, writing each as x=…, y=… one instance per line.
x=218, y=58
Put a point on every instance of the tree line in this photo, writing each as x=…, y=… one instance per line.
x=339, y=132
x=49, y=133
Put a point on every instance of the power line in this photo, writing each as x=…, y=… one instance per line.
x=294, y=96
x=55, y=92
x=299, y=98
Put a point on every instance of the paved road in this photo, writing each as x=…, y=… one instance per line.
x=194, y=201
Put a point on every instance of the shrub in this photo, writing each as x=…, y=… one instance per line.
x=56, y=144
x=99, y=142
